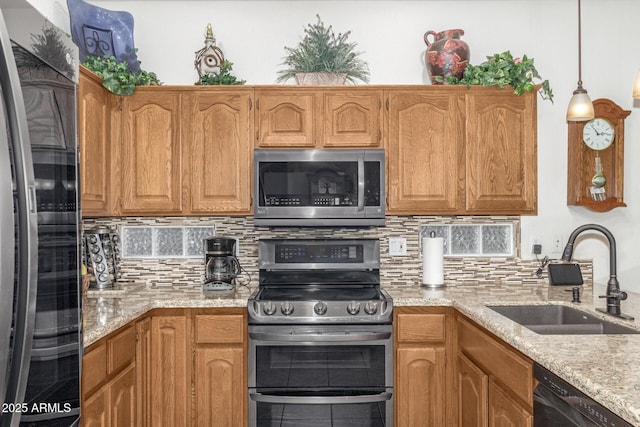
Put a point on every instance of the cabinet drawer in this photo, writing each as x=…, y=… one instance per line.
x=497, y=359
x=414, y=327
x=122, y=349
x=227, y=328
x=94, y=368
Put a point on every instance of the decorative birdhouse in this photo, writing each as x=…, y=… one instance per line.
x=209, y=58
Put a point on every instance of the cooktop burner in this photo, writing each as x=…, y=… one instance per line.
x=318, y=281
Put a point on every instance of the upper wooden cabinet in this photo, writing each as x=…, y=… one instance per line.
x=501, y=152
x=453, y=150
x=151, y=153
x=94, y=138
x=186, y=150
x=425, y=151
x=319, y=118
x=218, y=128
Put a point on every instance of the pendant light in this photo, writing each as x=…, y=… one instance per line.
x=580, y=106
x=636, y=86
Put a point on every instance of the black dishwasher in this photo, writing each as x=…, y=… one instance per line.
x=556, y=403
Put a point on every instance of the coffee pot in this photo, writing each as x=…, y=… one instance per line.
x=221, y=265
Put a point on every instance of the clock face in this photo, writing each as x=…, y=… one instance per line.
x=598, y=134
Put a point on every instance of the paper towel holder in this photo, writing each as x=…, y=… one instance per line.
x=430, y=262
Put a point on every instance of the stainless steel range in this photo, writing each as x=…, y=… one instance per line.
x=320, y=336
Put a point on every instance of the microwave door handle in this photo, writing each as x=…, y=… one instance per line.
x=320, y=400
x=361, y=183
x=326, y=338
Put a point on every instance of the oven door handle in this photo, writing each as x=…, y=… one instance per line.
x=321, y=337
x=320, y=400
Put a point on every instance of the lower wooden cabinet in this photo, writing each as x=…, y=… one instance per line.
x=170, y=371
x=220, y=370
x=108, y=380
x=494, y=381
x=421, y=371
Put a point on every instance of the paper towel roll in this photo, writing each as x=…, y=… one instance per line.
x=432, y=261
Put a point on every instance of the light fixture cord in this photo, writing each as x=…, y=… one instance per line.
x=579, y=46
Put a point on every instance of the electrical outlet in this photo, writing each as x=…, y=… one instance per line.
x=557, y=246
x=397, y=246
x=536, y=245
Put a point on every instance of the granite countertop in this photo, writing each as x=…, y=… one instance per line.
x=602, y=366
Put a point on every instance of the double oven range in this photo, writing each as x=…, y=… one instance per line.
x=320, y=336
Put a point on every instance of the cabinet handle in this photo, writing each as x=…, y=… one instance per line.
x=250, y=104
x=386, y=104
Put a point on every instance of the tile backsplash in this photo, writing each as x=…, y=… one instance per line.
x=395, y=270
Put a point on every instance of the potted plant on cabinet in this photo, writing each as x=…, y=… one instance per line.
x=501, y=70
x=322, y=57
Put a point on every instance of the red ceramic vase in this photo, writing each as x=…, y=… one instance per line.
x=446, y=55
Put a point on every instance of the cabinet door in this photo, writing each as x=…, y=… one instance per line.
x=501, y=152
x=352, y=118
x=151, y=153
x=286, y=118
x=425, y=152
x=169, y=371
x=122, y=403
x=505, y=411
x=95, y=409
x=473, y=387
x=95, y=145
x=420, y=387
x=218, y=136
x=143, y=372
x=220, y=389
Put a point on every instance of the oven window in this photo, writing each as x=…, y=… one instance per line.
x=299, y=415
x=320, y=367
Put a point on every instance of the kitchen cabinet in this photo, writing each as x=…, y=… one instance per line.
x=494, y=381
x=108, y=380
x=220, y=370
x=143, y=372
x=453, y=150
x=170, y=370
x=151, y=153
x=319, y=118
x=501, y=152
x=425, y=151
x=422, y=395
x=218, y=130
x=95, y=145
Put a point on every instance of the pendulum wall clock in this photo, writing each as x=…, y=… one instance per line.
x=596, y=158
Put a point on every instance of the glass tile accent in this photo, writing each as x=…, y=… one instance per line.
x=474, y=239
x=465, y=239
x=496, y=239
x=194, y=237
x=164, y=241
x=137, y=242
x=169, y=241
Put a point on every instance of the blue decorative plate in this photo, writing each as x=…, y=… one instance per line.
x=102, y=32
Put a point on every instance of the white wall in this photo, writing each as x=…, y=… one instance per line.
x=252, y=35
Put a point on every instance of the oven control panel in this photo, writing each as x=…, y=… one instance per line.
x=323, y=253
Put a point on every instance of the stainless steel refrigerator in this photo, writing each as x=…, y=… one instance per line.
x=40, y=299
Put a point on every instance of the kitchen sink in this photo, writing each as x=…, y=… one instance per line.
x=559, y=320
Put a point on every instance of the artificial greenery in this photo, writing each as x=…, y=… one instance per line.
x=117, y=77
x=503, y=69
x=221, y=77
x=321, y=50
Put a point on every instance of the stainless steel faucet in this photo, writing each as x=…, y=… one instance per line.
x=614, y=294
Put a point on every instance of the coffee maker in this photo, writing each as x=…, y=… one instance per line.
x=221, y=265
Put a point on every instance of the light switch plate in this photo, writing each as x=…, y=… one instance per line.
x=397, y=246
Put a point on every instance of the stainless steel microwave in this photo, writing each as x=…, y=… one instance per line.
x=297, y=187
